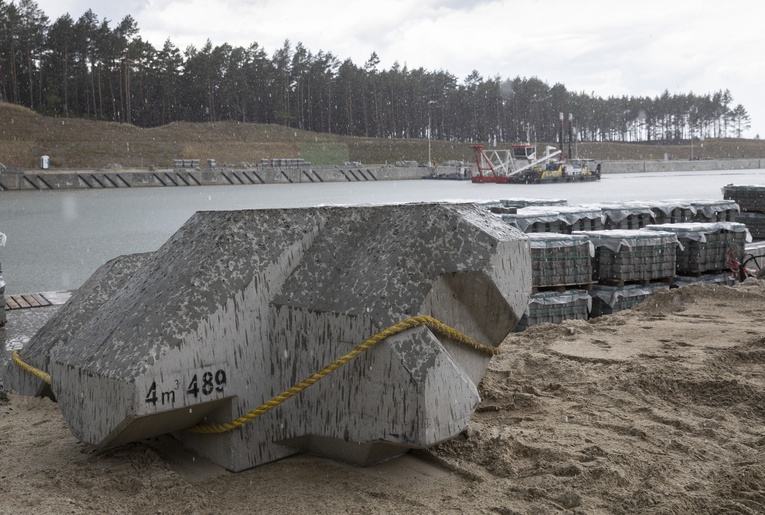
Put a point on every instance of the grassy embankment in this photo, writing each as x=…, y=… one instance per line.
x=79, y=143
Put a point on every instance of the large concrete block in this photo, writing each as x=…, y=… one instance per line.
x=237, y=307
x=61, y=327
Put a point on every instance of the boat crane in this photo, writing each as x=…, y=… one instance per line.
x=502, y=165
x=520, y=164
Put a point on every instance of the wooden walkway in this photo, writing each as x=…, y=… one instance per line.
x=26, y=301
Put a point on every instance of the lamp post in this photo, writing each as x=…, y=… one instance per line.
x=430, y=163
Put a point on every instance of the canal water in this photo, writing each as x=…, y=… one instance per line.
x=57, y=239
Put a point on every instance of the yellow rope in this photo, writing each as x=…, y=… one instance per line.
x=29, y=368
x=409, y=323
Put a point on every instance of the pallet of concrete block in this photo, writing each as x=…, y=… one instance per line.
x=555, y=307
x=611, y=299
x=625, y=215
x=672, y=211
x=715, y=278
x=559, y=260
x=556, y=219
x=511, y=206
x=755, y=222
x=707, y=247
x=623, y=256
x=715, y=210
x=749, y=197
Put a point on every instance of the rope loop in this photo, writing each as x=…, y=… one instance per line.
x=29, y=368
x=410, y=323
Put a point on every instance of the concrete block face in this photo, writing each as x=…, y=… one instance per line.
x=61, y=327
x=239, y=306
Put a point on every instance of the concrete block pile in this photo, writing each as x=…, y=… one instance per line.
x=755, y=222
x=672, y=211
x=611, y=299
x=559, y=260
x=238, y=307
x=708, y=211
x=555, y=307
x=749, y=197
x=633, y=255
x=707, y=247
x=556, y=219
x=751, y=200
x=634, y=242
x=720, y=278
x=511, y=206
x=626, y=215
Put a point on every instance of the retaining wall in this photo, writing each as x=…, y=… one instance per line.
x=128, y=178
x=681, y=166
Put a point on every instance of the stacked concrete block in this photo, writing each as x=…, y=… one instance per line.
x=748, y=197
x=720, y=279
x=560, y=260
x=555, y=219
x=555, y=307
x=755, y=222
x=511, y=206
x=707, y=247
x=751, y=200
x=581, y=218
x=626, y=215
x=532, y=221
x=238, y=307
x=708, y=211
x=612, y=299
x=672, y=211
x=637, y=255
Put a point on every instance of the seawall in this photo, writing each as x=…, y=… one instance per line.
x=164, y=177
x=12, y=180
x=681, y=166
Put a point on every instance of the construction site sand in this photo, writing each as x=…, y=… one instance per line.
x=660, y=409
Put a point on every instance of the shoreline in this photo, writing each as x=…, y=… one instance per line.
x=118, y=177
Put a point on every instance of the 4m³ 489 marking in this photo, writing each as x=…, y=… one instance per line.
x=200, y=384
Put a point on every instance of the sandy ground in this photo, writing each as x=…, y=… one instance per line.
x=660, y=409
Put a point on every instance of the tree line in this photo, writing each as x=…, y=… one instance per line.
x=88, y=68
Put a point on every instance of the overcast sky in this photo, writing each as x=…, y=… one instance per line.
x=634, y=48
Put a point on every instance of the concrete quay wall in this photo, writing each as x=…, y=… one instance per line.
x=134, y=178
x=681, y=166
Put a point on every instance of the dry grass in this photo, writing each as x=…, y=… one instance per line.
x=79, y=143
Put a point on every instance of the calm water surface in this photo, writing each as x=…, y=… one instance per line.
x=57, y=239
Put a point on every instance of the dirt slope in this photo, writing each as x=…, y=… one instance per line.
x=77, y=143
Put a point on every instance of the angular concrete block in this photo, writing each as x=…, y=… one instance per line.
x=239, y=306
x=62, y=326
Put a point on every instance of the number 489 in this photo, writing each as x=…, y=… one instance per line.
x=210, y=382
